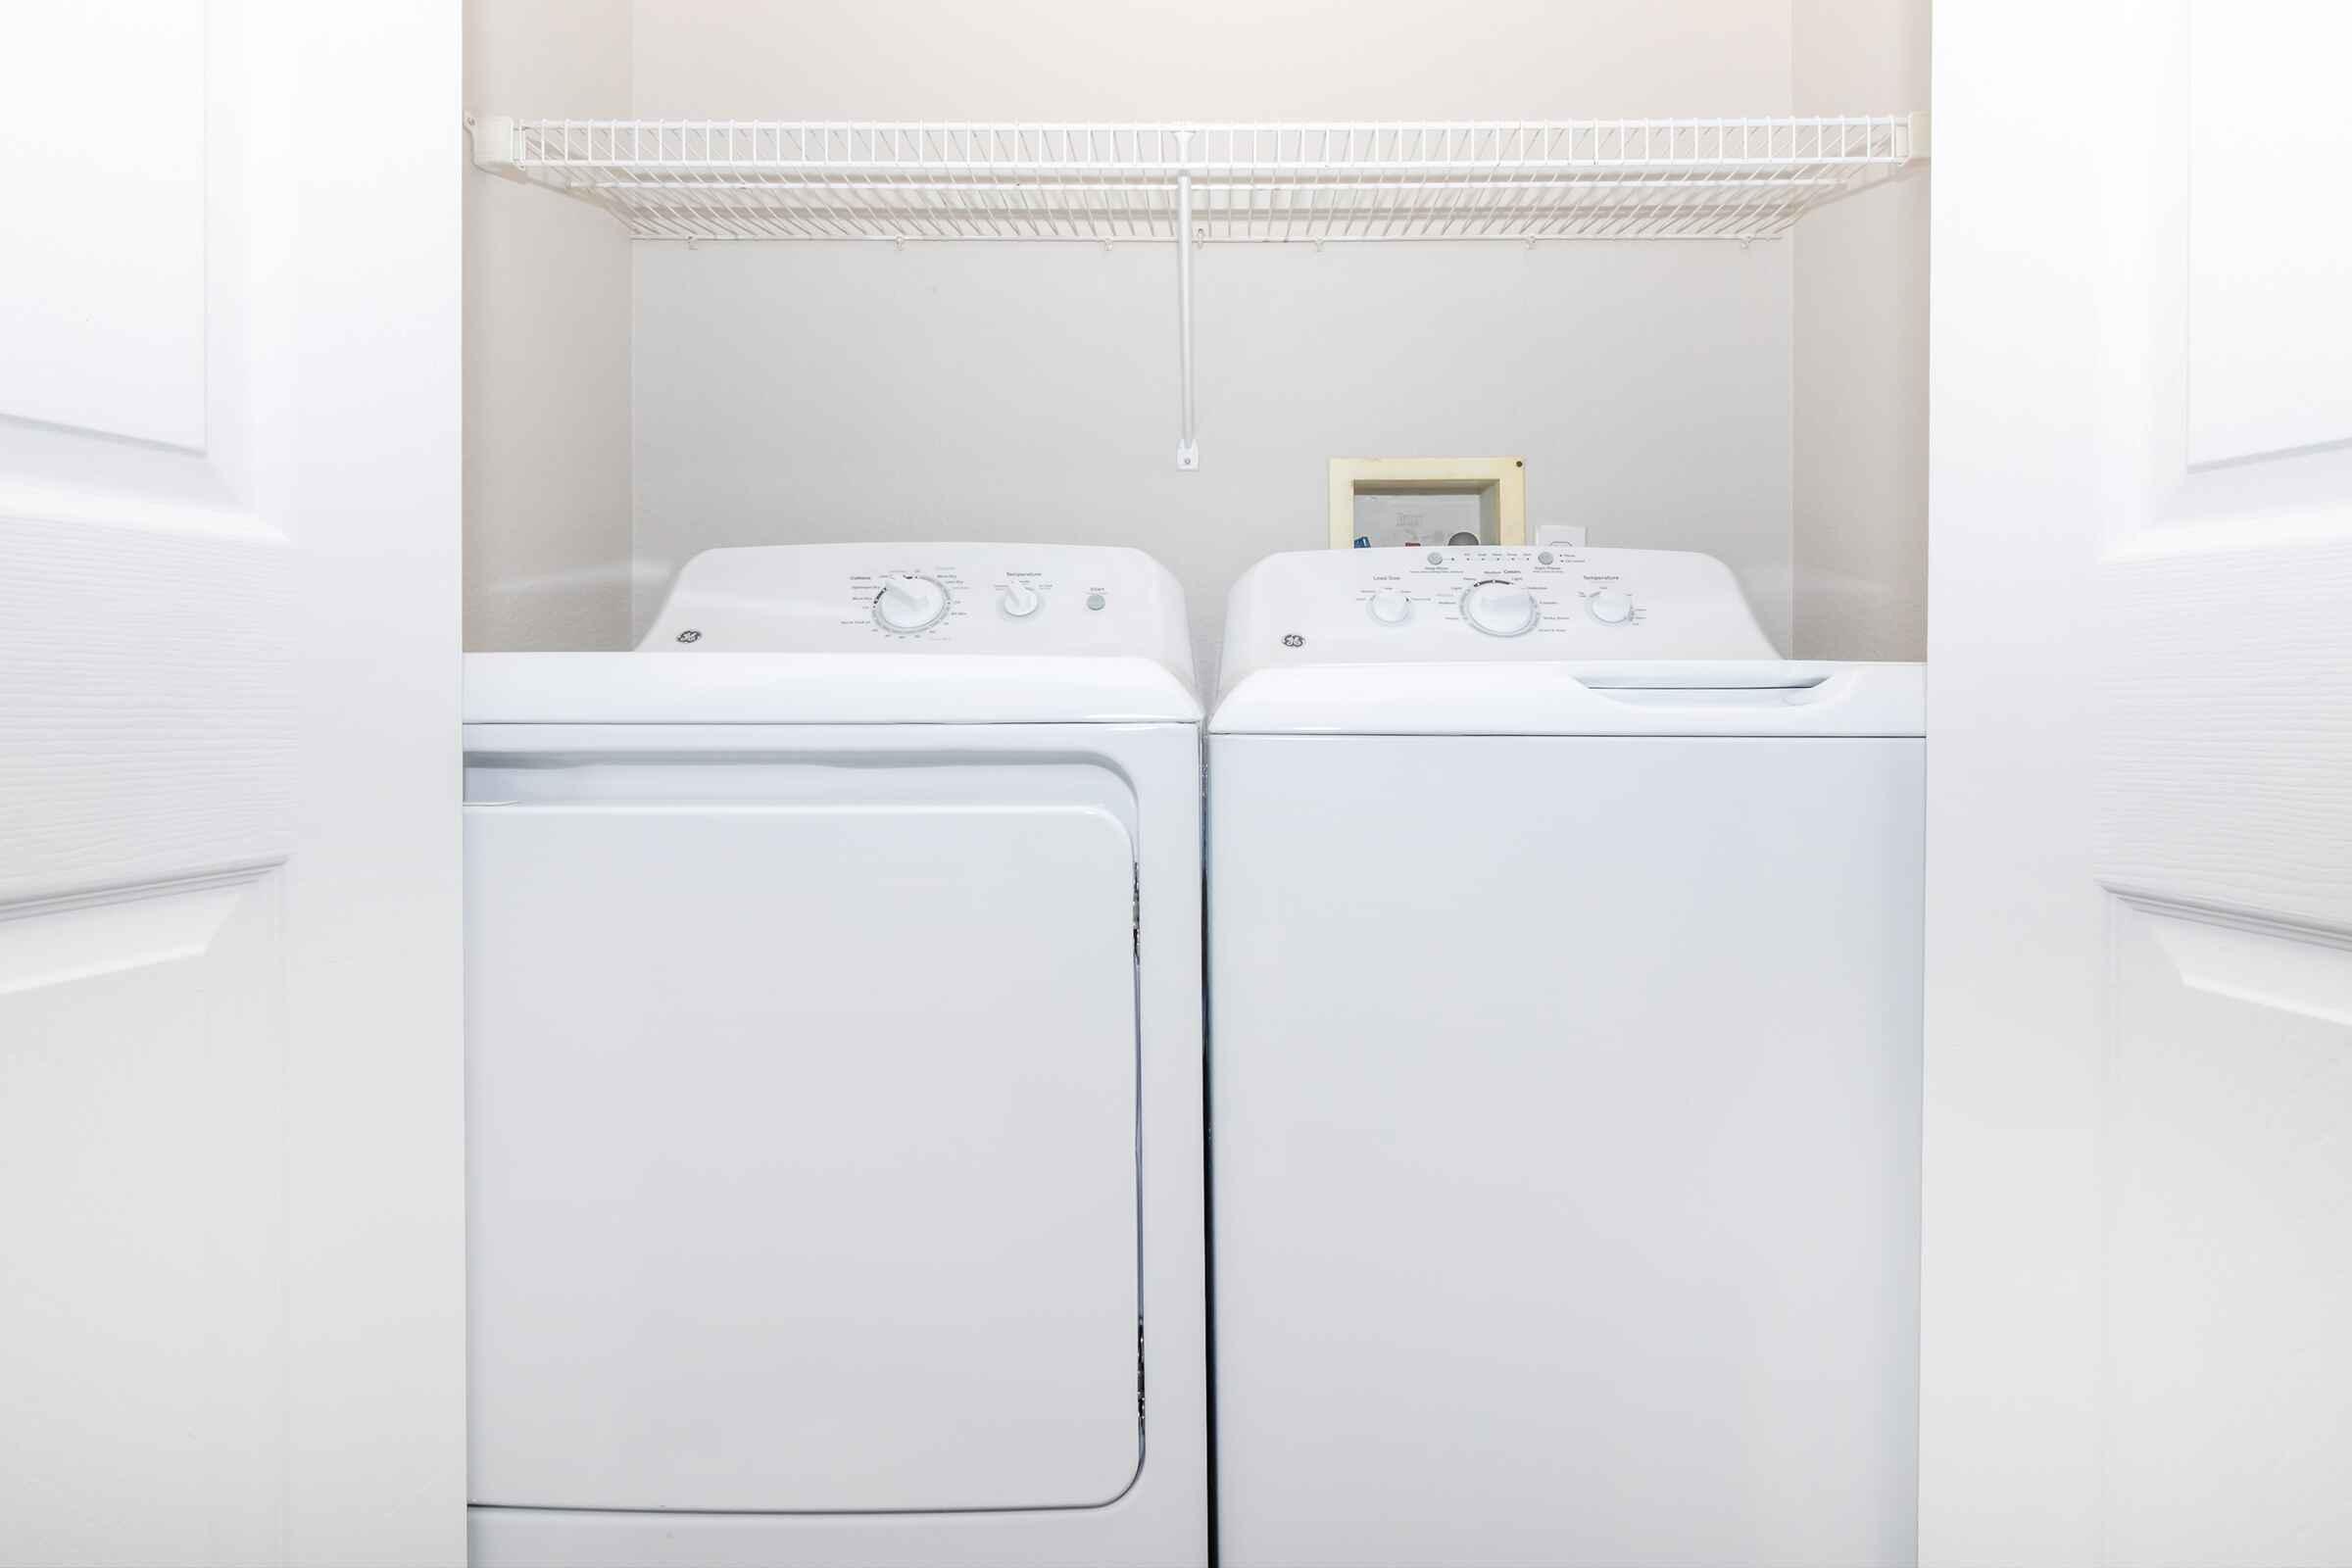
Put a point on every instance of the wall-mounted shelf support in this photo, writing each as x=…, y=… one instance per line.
x=1187, y=448
x=1532, y=181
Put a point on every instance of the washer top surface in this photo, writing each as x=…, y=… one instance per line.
x=1529, y=640
x=880, y=633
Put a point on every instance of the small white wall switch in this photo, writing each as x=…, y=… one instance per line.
x=1560, y=533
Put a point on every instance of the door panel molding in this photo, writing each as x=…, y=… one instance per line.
x=2226, y=1244
x=2268, y=273
x=2194, y=199
x=54, y=941
x=144, y=1198
x=95, y=274
x=2251, y=958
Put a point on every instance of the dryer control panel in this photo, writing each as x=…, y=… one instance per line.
x=1081, y=600
x=1427, y=604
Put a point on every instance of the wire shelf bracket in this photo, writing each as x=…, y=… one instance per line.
x=1532, y=181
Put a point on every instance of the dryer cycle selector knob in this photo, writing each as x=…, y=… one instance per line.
x=1610, y=607
x=1019, y=600
x=1499, y=609
x=909, y=602
x=1390, y=607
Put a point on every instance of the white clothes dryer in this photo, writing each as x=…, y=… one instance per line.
x=1564, y=966
x=834, y=1048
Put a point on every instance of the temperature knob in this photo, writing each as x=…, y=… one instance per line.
x=908, y=603
x=1611, y=608
x=1019, y=600
x=1499, y=609
x=1390, y=608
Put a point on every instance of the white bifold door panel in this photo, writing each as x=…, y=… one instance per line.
x=2138, y=1266
x=802, y=1141
x=232, y=1244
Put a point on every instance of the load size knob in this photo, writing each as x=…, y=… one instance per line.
x=909, y=602
x=1390, y=608
x=1499, y=609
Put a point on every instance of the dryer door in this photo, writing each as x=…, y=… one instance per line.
x=804, y=1152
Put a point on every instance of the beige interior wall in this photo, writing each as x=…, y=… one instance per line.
x=547, y=348
x=832, y=391
x=628, y=404
x=1210, y=59
x=1859, y=374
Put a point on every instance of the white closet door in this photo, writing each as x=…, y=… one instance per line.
x=2139, y=1185
x=230, y=1188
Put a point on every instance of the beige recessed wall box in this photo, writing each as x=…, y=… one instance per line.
x=1436, y=501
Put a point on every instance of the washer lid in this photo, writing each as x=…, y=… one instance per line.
x=1759, y=697
x=1487, y=605
x=1519, y=640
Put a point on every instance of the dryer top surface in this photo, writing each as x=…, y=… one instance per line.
x=883, y=633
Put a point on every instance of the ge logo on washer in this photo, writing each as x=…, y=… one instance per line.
x=1293, y=640
x=690, y=635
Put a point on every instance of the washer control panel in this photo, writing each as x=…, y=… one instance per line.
x=924, y=598
x=1423, y=605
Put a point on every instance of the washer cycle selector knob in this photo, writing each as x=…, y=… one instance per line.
x=1390, y=607
x=1019, y=600
x=1611, y=608
x=1499, y=609
x=908, y=603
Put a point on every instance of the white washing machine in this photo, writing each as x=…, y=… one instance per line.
x=834, y=1049
x=1564, y=966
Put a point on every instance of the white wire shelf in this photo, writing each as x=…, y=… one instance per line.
x=1533, y=182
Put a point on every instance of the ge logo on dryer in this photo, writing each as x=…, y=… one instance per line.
x=1293, y=640
x=690, y=635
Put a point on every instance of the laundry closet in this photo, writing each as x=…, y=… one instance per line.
x=900, y=340
x=1075, y=784
x=911, y=392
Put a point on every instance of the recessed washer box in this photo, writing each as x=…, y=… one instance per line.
x=1380, y=501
